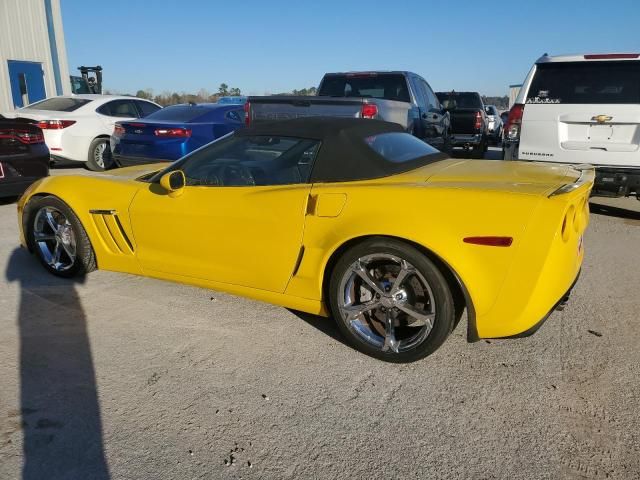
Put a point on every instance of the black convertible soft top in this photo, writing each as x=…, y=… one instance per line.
x=344, y=154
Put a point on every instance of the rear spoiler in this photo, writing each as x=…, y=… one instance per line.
x=587, y=174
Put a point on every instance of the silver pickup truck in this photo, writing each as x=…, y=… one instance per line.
x=399, y=97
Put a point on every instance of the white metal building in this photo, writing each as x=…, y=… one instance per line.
x=33, y=57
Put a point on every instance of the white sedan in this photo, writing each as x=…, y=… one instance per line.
x=77, y=127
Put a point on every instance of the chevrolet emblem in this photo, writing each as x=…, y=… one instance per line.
x=601, y=118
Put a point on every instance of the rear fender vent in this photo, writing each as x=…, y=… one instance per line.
x=111, y=231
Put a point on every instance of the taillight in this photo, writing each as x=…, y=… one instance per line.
x=247, y=113
x=369, y=110
x=478, y=122
x=489, y=241
x=23, y=136
x=514, y=122
x=55, y=124
x=118, y=131
x=172, y=132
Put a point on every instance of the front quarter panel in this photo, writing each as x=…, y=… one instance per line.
x=84, y=194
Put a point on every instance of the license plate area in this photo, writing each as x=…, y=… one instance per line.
x=600, y=133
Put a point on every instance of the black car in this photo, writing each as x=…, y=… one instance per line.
x=24, y=157
x=469, y=121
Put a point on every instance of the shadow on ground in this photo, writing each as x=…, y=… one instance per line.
x=600, y=209
x=59, y=408
x=325, y=325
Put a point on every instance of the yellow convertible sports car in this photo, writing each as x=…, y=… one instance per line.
x=350, y=218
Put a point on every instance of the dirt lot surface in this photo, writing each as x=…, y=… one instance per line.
x=131, y=378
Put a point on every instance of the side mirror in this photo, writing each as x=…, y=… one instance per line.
x=173, y=182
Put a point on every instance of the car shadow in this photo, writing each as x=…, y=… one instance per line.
x=600, y=209
x=59, y=407
x=325, y=325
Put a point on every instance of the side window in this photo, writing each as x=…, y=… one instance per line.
x=432, y=101
x=235, y=115
x=147, y=108
x=419, y=93
x=251, y=161
x=119, y=108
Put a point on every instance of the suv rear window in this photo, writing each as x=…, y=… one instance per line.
x=399, y=147
x=59, y=104
x=388, y=86
x=586, y=82
x=462, y=99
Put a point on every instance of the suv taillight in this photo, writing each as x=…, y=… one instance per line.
x=55, y=124
x=478, y=123
x=369, y=110
x=247, y=113
x=514, y=122
x=118, y=131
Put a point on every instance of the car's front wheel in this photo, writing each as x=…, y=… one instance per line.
x=57, y=237
x=391, y=301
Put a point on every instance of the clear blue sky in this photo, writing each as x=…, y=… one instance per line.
x=275, y=46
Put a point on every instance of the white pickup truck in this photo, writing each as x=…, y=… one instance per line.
x=581, y=109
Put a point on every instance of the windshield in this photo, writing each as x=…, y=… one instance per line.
x=59, y=104
x=586, y=82
x=249, y=161
x=462, y=99
x=384, y=86
x=232, y=100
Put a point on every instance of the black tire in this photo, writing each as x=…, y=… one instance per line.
x=480, y=149
x=85, y=260
x=99, y=155
x=442, y=301
x=447, y=146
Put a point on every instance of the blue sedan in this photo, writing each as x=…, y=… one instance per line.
x=172, y=132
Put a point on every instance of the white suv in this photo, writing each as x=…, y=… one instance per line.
x=581, y=109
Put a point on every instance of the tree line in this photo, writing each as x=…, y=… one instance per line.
x=203, y=95
x=501, y=103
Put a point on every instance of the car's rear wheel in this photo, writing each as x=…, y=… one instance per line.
x=480, y=149
x=99, y=158
x=57, y=237
x=391, y=301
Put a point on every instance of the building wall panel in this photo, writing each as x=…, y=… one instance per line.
x=24, y=36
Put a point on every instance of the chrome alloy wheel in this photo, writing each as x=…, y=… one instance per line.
x=387, y=302
x=54, y=237
x=98, y=154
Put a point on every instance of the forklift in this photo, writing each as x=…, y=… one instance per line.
x=87, y=83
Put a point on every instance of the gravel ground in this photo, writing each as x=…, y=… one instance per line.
x=131, y=378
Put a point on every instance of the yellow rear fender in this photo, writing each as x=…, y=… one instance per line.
x=434, y=218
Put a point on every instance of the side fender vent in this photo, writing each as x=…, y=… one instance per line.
x=111, y=231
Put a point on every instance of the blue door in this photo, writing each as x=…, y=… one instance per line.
x=27, y=82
